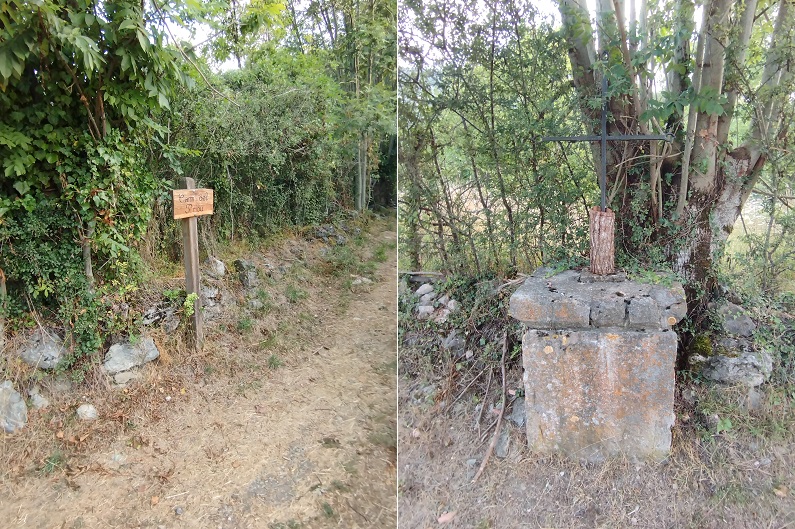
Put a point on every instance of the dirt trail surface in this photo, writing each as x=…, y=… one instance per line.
x=287, y=420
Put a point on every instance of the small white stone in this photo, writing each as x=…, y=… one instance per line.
x=38, y=401
x=87, y=412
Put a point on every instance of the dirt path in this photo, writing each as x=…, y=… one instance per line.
x=309, y=443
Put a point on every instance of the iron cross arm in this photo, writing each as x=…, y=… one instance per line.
x=621, y=137
x=603, y=138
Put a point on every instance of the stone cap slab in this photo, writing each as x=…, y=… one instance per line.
x=574, y=300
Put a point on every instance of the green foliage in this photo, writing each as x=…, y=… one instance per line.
x=481, y=191
x=174, y=294
x=79, y=82
x=100, y=118
x=274, y=362
x=55, y=462
x=189, y=305
x=295, y=294
x=271, y=155
x=245, y=324
x=702, y=345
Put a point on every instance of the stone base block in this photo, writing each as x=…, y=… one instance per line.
x=592, y=394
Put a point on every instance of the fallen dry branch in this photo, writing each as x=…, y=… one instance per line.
x=483, y=406
x=502, y=411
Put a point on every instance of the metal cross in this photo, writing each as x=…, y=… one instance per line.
x=603, y=139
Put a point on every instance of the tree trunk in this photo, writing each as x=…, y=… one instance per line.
x=709, y=180
x=602, y=230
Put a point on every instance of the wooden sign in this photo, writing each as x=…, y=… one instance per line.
x=192, y=202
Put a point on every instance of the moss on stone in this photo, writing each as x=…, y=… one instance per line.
x=702, y=345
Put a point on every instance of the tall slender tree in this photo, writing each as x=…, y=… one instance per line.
x=667, y=74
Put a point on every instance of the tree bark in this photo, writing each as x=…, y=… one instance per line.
x=602, y=230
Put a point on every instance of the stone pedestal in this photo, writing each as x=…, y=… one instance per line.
x=599, y=357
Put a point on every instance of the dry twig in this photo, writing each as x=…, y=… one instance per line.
x=485, y=395
x=502, y=411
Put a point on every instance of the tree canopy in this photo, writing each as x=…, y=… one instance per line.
x=478, y=94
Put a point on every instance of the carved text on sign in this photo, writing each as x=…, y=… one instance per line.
x=192, y=202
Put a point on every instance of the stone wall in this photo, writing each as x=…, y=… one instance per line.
x=599, y=358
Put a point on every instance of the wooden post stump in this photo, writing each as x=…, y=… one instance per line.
x=602, y=229
x=190, y=241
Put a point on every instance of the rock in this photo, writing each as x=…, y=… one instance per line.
x=210, y=295
x=38, y=401
x=427, y=299
x=696, y=359
x=157, y=313
x=755, y=401
x=125, y=377
x=214, y=267
x=124, y=356
x=13, y=411
x=749, y=369
x=242, y=265
x=116, y=461
x=249, y=278
x=411, y=339
x=454, y=343
x=570, y=300
x=613, y=387
x=44, y=349
x=255, y=304
x=61, y=386
x=247, y=273
x=212, y=313
x=424, y=312
x=361, y=284
x=87, y=412
x=644, y=313
x=518, y=414
x=453, y=306
x=170, y=324
x=424, y=289
x=736, y=320
x=444, y=300
x=403, y=287
x=712, y=420
x=689, y=396
x=442, y=316
x=503, y=446
x=609, y=312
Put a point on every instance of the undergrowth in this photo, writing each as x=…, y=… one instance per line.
x=482, y=321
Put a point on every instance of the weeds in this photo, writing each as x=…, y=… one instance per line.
x=245, y=324
x=342, y=261
x=54, y=462
x=328, y=510
x=295, y=294
x=274, y=362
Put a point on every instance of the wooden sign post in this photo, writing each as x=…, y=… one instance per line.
x=190, y=203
